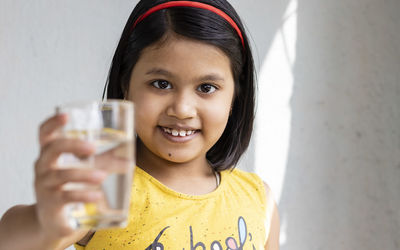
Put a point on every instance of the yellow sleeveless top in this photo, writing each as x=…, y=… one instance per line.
x=231, y=217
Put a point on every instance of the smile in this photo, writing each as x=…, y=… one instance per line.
x=178, y=133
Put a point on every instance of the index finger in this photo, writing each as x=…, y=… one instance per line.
x=50, y=152
x=48, y=129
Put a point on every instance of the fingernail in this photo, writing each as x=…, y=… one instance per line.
x=63, y=117
x=96, y=195
x=99, y=175
x=89, y=146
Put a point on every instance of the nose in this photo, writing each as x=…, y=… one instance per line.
x=182, y=106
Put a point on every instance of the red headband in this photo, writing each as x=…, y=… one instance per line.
x=194, y=5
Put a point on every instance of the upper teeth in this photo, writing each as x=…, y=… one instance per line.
x=175, y=132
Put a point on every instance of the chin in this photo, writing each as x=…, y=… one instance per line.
x=177, y=158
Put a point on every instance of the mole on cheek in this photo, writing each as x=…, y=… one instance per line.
x=169, y=154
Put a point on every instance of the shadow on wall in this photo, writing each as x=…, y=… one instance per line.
x=264, y=18
x=342, y=180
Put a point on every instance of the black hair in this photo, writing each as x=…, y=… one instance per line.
x=201, y=25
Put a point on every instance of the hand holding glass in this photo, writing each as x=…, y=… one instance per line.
x=110, y=127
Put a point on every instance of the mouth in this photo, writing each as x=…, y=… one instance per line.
x=178, y=132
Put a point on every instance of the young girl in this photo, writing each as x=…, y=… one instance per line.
x=188, y=68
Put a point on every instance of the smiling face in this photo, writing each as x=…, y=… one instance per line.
x=182, y=90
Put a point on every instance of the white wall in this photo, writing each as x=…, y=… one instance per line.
x=50, y=53
x=327, y=137
x=329, y=123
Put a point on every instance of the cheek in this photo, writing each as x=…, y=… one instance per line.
x=146, y=114
x=215, y=118
x=217, y=113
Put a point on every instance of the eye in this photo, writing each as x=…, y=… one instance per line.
x=207, y=88
x=161, y=84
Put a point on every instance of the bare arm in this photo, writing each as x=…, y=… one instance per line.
x=273, y=236
x=20, y=229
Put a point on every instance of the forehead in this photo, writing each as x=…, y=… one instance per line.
x=188, y=54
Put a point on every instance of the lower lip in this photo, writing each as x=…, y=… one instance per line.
x=179, y=139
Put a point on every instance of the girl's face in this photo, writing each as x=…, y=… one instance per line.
x=183, y=91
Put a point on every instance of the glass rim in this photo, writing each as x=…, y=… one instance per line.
x=119, y=101
x=77, y=104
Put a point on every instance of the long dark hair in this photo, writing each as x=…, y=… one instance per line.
x=202, y=25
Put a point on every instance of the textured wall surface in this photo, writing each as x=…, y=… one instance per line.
x=342, y=185
x=50, y=53
x=327, y=137
x=341, y=179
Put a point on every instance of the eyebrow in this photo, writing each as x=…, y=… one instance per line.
x=207, y=77
x=159, y=71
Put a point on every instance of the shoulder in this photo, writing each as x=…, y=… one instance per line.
x=245, y=176
x=272, y=225
x=253, y=183
x=246, y=181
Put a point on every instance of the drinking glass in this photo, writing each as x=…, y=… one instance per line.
x=109, y=126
